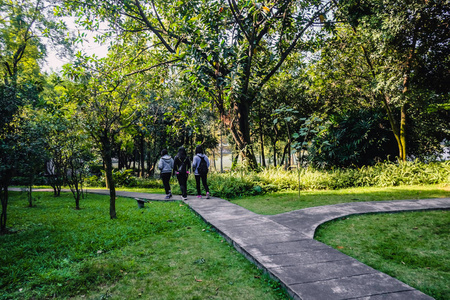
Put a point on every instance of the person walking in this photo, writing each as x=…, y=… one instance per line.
x=181, y=168
x=200, y=165
x=165, y=165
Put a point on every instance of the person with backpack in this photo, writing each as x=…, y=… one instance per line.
x=200, y=165
x=181, y=168
x=165, y=165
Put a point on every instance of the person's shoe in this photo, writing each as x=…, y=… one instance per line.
x=170, y=195
x=167, y=197
x=199, y=196
x=207, y=195
x=183, y=198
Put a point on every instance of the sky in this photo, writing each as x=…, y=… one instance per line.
x=54, y=63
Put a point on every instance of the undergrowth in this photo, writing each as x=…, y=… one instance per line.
x=236, y=184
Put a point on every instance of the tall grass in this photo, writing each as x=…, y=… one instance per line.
x=239, y=183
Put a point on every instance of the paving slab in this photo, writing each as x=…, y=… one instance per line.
x=301, y=257
x=307, y=273
x=352, y=287
x=406, y=295
x=285, y=247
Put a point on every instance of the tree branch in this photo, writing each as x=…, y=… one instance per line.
x=152, y=67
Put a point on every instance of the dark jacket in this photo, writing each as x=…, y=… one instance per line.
x=177, y=164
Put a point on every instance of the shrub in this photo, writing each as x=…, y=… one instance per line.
x=241, y=183
x=124, y=177
x=95, y=181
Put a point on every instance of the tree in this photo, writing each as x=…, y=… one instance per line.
x=107, y=102
x=231, y=47
x=22, y=25
x=404, y=45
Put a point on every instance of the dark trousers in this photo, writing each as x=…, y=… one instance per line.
x=182, y=181
x=205, y=184
x=166, y=181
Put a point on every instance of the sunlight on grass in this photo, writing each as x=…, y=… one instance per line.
x=412, y=247
x=270, y=204
x=163, y=251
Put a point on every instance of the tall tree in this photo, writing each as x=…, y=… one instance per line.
x=232, y=47
x=107, y=102
x=22, y=26
x=405, y=45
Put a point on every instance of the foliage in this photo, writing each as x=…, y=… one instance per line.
x=353, y=138
x=411, y=247
x=393, y=54
x=235, y=184
x=228, y=50
x=124, y=178
x=63, y=253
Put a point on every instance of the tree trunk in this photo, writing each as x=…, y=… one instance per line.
x=142, y=153
x=77, y=201
x=263, y=157
x=30, y=195
x=284, y=154
x=403, y=132
x=4, y=199
x=240, y=130
x=275, y=153
x=107, y=158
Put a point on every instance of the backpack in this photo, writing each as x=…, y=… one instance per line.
x=203, y=166
x=182, y=167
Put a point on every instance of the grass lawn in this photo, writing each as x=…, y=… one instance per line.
x=412, y=247
x=163, y=251
x=272, y=204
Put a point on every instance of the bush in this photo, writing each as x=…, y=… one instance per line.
x=234, y=184
x=95, y=181
x=241, y=183
x=124, y=178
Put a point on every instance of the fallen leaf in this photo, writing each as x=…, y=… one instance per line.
x=415, y=228
x=99, y=251
x=257, y=276
x=198, y=280
x=340, y=247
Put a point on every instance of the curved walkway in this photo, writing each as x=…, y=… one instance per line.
x=284, y=247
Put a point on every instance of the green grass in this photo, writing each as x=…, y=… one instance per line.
x=412, y=247
x=280, y=202
x=163, y=251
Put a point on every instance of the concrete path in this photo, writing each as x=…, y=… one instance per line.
x=284, y=247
